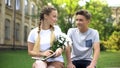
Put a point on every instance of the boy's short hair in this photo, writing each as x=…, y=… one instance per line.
x=84, y=13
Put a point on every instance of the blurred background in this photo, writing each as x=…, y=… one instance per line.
x=18, y=17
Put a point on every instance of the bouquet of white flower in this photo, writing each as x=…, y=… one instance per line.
x=61, y=42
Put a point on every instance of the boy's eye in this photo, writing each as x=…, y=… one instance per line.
x=79, y=19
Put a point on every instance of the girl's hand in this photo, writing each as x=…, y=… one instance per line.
x=47, y=53
x=58, y=52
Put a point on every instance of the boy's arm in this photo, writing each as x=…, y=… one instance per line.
x=68, y=57
x=96, y=54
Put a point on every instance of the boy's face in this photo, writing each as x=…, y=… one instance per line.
x=81, y=21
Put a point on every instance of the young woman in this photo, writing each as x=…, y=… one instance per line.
x=43, y=36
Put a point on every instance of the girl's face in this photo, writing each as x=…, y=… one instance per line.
x=52, y=17
x=81, y=21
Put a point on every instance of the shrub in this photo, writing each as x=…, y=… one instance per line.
x=113, y=43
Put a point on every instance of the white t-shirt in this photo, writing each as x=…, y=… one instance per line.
x=82, y=43
x=45, y=40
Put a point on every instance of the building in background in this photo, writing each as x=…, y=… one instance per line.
x=115, y=7
x=15, y=25
x=116, y=15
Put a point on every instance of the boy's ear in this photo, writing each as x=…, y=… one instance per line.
x=88, y=21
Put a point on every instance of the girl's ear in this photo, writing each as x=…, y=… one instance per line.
x=45, y=16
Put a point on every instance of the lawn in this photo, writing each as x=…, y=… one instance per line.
x=20, y=59
x=15, y=59
x=109, y=60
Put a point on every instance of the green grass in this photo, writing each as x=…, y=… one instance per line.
x=20, y=59
x=109, y=60
x=15, y=59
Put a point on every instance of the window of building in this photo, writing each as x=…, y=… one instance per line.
x=119, y=20
x=0, y=2
x=0, y=8
x=17, y=4
x=8, y=2
x=7, y=29
x=33, y=9
x=26, y=6
x=25, y=33
x=17, y=32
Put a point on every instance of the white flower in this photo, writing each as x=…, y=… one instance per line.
x=61, y=42
x=67, y=39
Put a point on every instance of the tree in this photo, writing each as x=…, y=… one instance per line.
x=66, y=9
x=101, y=18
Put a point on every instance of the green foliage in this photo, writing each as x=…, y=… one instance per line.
x=102, y=21
x=114, y=41
x=102, y=47
x=101, y=15
x=66, y=9
x=101, y=18
x=117, y=27
x=64, y=25
x=70, y=6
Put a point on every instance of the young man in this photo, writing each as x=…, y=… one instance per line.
x=84, y=41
